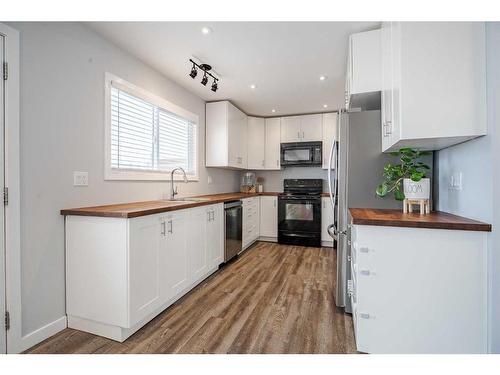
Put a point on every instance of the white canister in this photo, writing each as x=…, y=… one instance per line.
x=417, y=190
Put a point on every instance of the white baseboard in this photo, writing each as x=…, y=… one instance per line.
x=327, y=244
x=42, y=333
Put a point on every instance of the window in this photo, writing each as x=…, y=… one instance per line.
x=147, y=137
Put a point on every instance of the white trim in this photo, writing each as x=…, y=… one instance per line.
x=126, y=175
x=42, y=333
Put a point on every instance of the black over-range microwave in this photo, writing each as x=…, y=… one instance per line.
x=301, y=154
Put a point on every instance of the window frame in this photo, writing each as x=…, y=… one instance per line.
x=133, y=174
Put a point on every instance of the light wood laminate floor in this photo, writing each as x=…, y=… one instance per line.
x=272, y=299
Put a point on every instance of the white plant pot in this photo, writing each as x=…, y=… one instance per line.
x=417, y=190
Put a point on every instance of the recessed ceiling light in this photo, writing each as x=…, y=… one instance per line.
x=206, y=30
x=253, y=87
x=325, y=105
x=273, y=110
x=322, y=78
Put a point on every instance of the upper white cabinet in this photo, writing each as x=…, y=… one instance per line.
x=304, y=128
x=226, y=136
x=256, y=143
x=364, y=63
x=273, y=141
x=329, y=135
x=433, y=84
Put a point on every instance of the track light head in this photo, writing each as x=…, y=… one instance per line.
x=214, y=86
x=194, y=72
x=204, y=80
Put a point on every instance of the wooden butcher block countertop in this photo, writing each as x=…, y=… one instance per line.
x=136, y=209
x=434, y=220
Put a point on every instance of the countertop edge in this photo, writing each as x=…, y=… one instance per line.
x=462, y=223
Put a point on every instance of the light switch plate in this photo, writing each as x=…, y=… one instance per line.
x=456, y=181
x=80, y=178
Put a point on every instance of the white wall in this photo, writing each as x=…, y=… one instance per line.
x=479, y=161
x=62, y=112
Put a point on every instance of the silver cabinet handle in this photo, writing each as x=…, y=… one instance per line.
x=171, y=229
x=208, y=215
x=364, y=316
x=364, y=250
x=389, y=127
x=298, y=135
x=213, y=215
x=303, y=136
x=163, y=229
x=365, y=272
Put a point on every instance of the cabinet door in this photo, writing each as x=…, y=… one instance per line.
x=215, y=235
x=387, y=85
x=144, y=267
x=327, y=218
x=329, y=135
x=198, y=249
x=256, y=142
x=365, y=62
x=311, y=128
x=268, y=216
x=273, y=143
x=175, y=255
x=290, y=129
x=237, y=129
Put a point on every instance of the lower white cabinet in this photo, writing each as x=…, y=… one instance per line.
x=269, y=216
x=251, y=217
x=121, y=272
x=327, y=218
x=418, y=290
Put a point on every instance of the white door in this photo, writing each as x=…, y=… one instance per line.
x=256, y=142
x=215, y=235
x=269, y=216
x=175, y=255
x=197, y=243
x=311, y=128
x=290, y=129
x=273, y=143
x=3, y=332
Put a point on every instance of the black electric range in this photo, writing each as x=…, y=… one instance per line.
x=299, y=212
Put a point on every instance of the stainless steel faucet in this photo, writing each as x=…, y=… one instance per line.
x=173, y=191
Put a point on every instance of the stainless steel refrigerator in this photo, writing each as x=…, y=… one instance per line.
x=356, y=165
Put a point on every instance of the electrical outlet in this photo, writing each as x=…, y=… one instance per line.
x=80, y=179
x=210, y=180
x=456, y=181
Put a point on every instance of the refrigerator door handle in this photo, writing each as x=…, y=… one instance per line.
x=332, y=230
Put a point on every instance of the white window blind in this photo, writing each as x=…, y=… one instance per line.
x=146, y=137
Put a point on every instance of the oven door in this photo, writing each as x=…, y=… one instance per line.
x=299, y=214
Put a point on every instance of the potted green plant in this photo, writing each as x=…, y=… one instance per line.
x=407, y=179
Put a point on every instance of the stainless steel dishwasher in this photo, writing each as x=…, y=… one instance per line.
x=233, y=229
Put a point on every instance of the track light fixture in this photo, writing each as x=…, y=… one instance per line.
x=194, y=72
x=214, y=86
x=206, y=72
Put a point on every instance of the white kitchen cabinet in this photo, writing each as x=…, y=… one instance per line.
x=121, y=273
x=306, y=128
x=215, y=235
x=290, y=129
x=226, y=136
x=269, y=217
x=419, y=290
x=327, y=218
x=329, y=136
x=256, y=142
x=250, y=222
x=364, y=62
x=174, y=253
x=433, y=84
x=273, y=143
x=198, y=247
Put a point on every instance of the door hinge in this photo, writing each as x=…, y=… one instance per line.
x=6, y=195
x=5, y=71
x=7, y=321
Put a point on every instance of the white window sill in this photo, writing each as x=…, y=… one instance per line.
x=116, y=175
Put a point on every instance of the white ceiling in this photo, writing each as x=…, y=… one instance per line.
x=284, y=59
